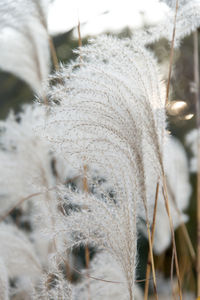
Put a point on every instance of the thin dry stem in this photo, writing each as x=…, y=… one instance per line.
x=101, y=279
x=165, y=194
x=79, y=34
x=20, y=202
x=152, y=262
x=79, y=38
x=188, y=241
x=183, y=227
x=85, y=182
x=87, y=252
x=172, y=272
x=171, y=55
x=148, y=270
x=185, y=262
x=151, y=250
x=130, y=293
x=38, y=67
x=197, y=98
x=53, y=54
x=164, y=189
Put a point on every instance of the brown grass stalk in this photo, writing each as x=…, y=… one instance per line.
x=87, y=252
x=171, y=55
x=53, y=54
x=174, y=289
x=182, y=226
x=197, y=99
x=185, y=261
x=164, y=188
x=148, y=270
x=85, y=182
x=152, y=261
x=188, y=241
x=80, y=44
x=20, y=202
x=150, y=249
x=79, y=34
x=101, y=279
x=165, y=194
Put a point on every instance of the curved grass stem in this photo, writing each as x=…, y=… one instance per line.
x=148, y=270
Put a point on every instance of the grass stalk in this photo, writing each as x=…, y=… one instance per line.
x=79, y=34
x=150, y=249
x=172, y=272
x=80, y=44
x=183, y=226
x=197, y=99
x=164, y=188
x=171, y=55
x=87, y=252
x=53, y=54
x=165, y=194
x=85, y=182
x=152, y=261
x=148, y=270
x=20, y=202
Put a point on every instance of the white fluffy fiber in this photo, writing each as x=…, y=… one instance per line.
x=24, y=43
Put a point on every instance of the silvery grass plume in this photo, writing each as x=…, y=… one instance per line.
x=18, y=253
x=111, y=116
x=19, y=263
x=104, y=267
x=24, y=41
x=23, y=154
x=53, y=284
x=27, y=173
x=179, y=191
x=187, y=21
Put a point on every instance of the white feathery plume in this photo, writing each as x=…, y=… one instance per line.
x=132, y=84
x=107, y=281
x=187, y=21
x=18, y=253
x=24, y=157
x=172, y=3
x=4, y=286
x=24, y=289
x=53, y=285
x=30, y=173
x=24, y=41
x=26, y=173
x=111, y=116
